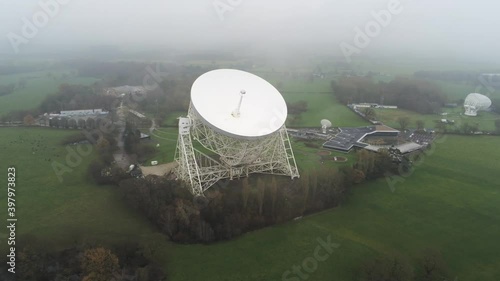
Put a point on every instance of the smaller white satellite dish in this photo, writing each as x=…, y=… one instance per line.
x=325, y=124
x=130, y=168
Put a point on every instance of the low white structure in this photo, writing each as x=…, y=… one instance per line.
x=475, y=102
x=364, y=105
x=404, y=148
x=125, y=90
x=138, y=114
x=373, y=105
x=79, y=113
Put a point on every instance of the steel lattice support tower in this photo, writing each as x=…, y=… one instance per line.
x=230, y=133
x=201, y=171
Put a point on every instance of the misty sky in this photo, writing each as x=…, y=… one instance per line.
x=454, y=28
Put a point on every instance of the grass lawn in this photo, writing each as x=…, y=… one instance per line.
x=171, y=118
x=167, y=138
x=318, y=95
x=320, y=100
x=486, y=120
x=308, y=159
x=390, y=117
x=451, y=203
x=324, y=106
x=55, y=212
x=404, y=66
x=456, y=91
x=38, y=86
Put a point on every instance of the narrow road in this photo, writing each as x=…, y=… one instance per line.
x=153, y=126
x=121, y=157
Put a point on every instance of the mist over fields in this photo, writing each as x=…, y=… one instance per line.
x=346, y=140
x=459, y=30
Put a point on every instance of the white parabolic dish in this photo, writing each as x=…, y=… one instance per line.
x=216, y=94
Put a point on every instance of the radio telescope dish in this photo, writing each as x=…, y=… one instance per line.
x=240, y=118
x=475, y=102
x=238, y=104
x=325, y=124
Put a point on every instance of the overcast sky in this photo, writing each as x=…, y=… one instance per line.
x=448, y=27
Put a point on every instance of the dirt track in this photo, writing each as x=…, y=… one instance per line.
x=158, y=170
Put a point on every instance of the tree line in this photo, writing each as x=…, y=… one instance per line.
x=234, y=207
x=88, y=262
x=416, y=95
x=168, y=88
x=7, y=89
x=12, y=68
x=74, y=97
x=429, y=265
x=89, y=123
x=68, y=97
x=133, y=145
x=448, y=75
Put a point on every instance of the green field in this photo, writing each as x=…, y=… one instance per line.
x=38, y=86
x=308, y=159
x=320, y=100
x=58, y=213
x=324, y=106
x=451, y=203
x=486, y=120
x=455, y=91
x=404, y=66
x=167, y=139
x=321, y=103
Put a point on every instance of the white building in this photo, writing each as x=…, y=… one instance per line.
x=83, y=112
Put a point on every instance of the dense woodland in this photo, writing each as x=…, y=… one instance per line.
x=495, y=105
x=13, y=68
x=451, y=75
x=428, y=266
x=488, y=83
x=7, y=89
x=137, y=150
x=234, y=207
x=168, y=88
x=73, y=97
x=416, y=95
x=168, y=85
x=472, y=77
x=87, y=262
x=68, y=97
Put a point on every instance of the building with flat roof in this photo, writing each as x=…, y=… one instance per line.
x=348, y=138
x=82, y=112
